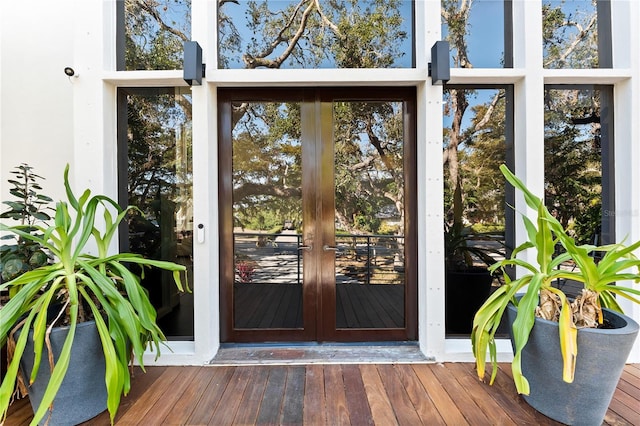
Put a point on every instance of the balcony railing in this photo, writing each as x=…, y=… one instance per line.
x=262, y=258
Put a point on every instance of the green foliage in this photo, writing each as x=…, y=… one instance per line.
x=570, y=34
x=369, y=36
x=29, y=208
x=473, y=191
x=369, y=157
x=267, y=159
x=543, y=235
x=480, y=228
x=159, y=167
x=573, y=160
x=78, y=280
x=155, y=32
x=388, y=229
x=311, y=34
x=267, y=166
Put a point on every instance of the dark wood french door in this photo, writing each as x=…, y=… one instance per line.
x=317, y=214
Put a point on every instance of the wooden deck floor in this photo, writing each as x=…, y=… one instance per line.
x=332, y=394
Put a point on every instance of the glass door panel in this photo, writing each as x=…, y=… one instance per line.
x=267, y=216
x=369, y=214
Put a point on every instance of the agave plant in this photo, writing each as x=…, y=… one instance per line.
x=101, y=284
x=541, y=298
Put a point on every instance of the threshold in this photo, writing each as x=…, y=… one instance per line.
x=296, y=353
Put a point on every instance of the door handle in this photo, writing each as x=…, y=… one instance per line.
x=308, y=248
x=327, y=247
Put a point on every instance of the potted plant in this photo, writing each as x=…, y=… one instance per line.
x=566, y=362
x=29, y=208
x=468, y=280
x=80, y=293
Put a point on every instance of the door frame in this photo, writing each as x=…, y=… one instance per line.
x=312, y=100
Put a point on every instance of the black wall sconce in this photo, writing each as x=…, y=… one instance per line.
x=193, y=67
x=439, y=67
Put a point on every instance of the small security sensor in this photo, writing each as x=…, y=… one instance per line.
x=69, y=71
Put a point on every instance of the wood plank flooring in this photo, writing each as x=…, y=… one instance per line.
x=335, y=394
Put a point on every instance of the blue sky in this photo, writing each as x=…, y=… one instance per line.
x=486, y=34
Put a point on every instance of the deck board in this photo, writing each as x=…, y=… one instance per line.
x=357, y=403
x=381, y=407
x=336, y=400
x=402, y=405
x=273, y=396
x=292, y=410
x=334, y=394
x=445, y=404
x=314, y=396
x=424, y=405
x=252, y=396
x=204, y=407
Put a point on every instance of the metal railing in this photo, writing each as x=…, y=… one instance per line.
x=277, y=258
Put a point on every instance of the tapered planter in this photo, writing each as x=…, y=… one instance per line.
x=602, y=354
x=83, y=393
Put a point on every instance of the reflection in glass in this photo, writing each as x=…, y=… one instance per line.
x=160, y=180
x=573, y=160
x=474, y=193
x=155, y=32
x=316, y=34
x=570, y=34
x=484, y=47
x=267, y=215
x=369, y=214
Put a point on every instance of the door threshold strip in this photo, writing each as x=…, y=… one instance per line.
x=296, y=354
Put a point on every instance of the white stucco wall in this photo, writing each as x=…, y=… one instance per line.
x=36, y=97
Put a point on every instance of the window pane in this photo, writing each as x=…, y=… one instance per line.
x=155, y=32
x=476, y=33
x=159, y=183
x=316, y=34
x=574, y=147
x=369, y=213
x=570, y=34
x=267, y=215
x=475, y=222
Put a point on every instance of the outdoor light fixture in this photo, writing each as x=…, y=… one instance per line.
x=193, y=66
x=70, y=72
x=439, y=67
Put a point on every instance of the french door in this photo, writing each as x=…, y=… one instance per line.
x=317, y=214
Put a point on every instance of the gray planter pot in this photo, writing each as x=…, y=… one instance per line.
x=602, y=354
x=83, y=393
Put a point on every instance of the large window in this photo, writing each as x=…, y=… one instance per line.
x=155, y=162
x=316, y=34
x=477, y=140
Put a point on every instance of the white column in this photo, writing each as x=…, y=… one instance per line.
x=430, y=196
x=626, y=54
x=205, y=186
x=528, y=104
